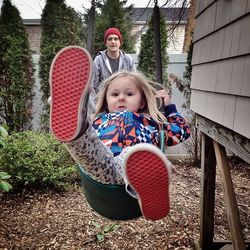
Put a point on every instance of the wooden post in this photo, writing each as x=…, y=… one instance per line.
x=208, y=173
x=229, y=197
x=157, y=38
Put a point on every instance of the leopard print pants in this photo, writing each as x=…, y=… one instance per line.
x=97, y=159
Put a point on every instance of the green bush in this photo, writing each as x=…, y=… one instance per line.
x=3, y=136
x=4, y=185
x=16, y=70
x=37, y=159
x=61, y=26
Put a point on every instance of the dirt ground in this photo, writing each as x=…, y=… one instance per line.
x=49, y=220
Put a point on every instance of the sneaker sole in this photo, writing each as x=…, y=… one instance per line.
x=70, y=76
x=151, y=187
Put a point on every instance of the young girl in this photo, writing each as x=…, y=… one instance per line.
x=121, y=144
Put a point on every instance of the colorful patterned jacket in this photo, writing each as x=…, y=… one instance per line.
x=122, y=129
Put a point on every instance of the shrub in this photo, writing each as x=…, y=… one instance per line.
x=3, y=136
x=61, y=26
x=37, y=159
x=16, y=70
x=4, y=185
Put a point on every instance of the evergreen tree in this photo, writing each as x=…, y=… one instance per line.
x=16, y=70
x=114, y=14
x=147, y=57
x=187, y=76
x=61, y=26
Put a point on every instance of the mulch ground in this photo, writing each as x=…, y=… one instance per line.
x=52, y=220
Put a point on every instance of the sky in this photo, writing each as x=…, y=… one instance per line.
x=32, y=9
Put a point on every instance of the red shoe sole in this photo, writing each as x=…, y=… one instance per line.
x=70, y=75
x=149, y=177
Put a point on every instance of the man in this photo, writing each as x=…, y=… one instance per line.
x=112, y=59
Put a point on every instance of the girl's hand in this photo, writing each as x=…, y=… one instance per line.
x=164, y=95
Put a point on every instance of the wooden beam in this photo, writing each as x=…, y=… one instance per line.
x=208, y=173
x=236, y=143
x=229, y=197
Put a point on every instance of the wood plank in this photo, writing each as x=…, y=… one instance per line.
x=227, y=41
x=229, y=197
x=229, y=111
x=237, y=75
x=208, y=173
x=196, y=77
x=197, y=7
x=236, y=38
x=236, y=143
x=244, y=43
x=239, y=8
x=199, y=101
x=245, y=86
x=205, y=53
x=242, y=116
x=227, y=247
x=215, y=107
x=223, y=13
x=224, y=76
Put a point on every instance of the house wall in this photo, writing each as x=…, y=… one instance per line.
x=221, y=63
x=34, y=36
x=176, y=36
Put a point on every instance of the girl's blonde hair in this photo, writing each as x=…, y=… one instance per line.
x=146, y=87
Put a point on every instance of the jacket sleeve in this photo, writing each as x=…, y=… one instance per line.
x=96, y=74
x=131, y=63
x=176, y=129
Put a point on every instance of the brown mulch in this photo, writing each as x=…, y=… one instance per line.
x=50, y=220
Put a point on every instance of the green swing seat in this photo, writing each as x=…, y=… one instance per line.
x=111, y=201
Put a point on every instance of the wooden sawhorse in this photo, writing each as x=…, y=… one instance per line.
x=215, y=139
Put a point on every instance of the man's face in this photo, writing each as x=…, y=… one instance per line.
x=113, y=43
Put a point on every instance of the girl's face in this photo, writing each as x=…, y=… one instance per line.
x=123, y=94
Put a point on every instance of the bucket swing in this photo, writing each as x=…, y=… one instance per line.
x=111, y=201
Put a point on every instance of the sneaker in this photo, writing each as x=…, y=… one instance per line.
x=70, y=76
x=148, y=174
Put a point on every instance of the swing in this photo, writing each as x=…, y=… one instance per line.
x=111, y=201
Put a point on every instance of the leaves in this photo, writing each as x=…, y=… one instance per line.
x=4, y=185
x=107, y=229
x=3, y=136
x=3, y=132
x=4, y=176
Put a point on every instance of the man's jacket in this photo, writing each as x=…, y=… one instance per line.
x=102, y=69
